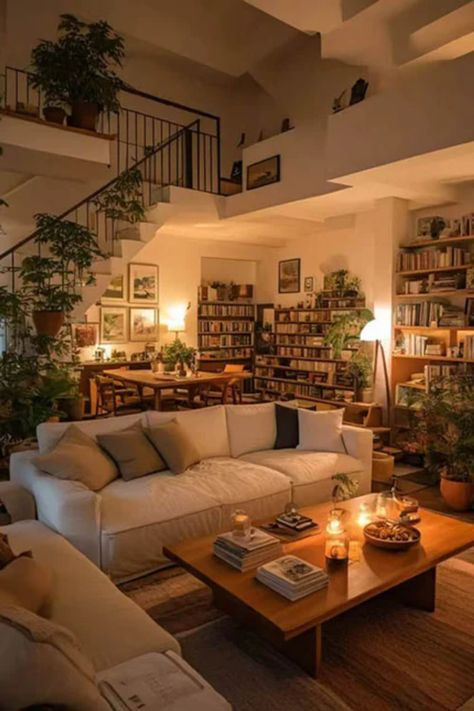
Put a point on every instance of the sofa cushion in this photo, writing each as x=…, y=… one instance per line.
x=287, y=427
x=49, y=433
x=26, y=583
x=208, y=429
x=78, y=457
x=132, y=451
x=321, y=431
x=139, y=516
x=110, y=628
x=251, y=427
x=174, y=445
x=42, y=663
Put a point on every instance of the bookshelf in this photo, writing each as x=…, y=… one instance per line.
x=226, y=332
x=301, y=364
x=432, y=334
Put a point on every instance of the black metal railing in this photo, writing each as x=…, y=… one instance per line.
x=136, y=128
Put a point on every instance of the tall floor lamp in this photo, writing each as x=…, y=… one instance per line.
x=374, y=331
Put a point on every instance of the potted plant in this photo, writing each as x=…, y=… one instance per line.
x=446, y=426
x=344, y=330
x=79, y=69
x=360, y=367
x=178, y=352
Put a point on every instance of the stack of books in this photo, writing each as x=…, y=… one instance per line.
x=292, y=577
x=246, y=553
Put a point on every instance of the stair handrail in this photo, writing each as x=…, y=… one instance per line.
x=109, y=184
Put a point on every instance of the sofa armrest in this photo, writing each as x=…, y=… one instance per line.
x=19, y=502
x=68, y=507
x=359, y=444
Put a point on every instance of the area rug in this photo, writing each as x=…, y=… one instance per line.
x=380, y=656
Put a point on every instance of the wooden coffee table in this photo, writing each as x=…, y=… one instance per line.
x=295, y=627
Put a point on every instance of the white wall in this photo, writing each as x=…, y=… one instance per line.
x=240, y=271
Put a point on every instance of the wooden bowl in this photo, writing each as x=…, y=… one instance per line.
x=387, y=543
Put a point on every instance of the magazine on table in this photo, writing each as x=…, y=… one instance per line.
x=257, y=539
x=292, y=570
x=295, y=521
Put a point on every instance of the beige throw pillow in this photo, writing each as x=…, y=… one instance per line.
x=174, y=445
x=42, y=663
x=78, y=457
x=132, y=452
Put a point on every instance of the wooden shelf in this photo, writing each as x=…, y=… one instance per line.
x=288, y=367
x=447, y=359
x=319, y=360
x=433, y=328
x=222, y=348
x=226, y=318
x=436, y=242
x=225, y=333
x=223, y=360
x=304, y=382
x=436, y=294
x=434, y=270
x=328, y=308
x=342, y=403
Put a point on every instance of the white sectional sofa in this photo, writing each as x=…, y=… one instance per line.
x=123, y=527
x=109, y=627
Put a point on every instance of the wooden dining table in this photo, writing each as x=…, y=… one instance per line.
x=158, y=383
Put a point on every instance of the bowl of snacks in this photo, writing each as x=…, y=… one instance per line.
x=391, y=536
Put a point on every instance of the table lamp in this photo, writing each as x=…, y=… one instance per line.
x=373, y=332
x=176, y=320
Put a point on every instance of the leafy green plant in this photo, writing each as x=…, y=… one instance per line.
x=446, y=427
x=80, y=65
x=124, y=199
x=345, y=329
x=176, y=352
x=360, y=367
x=346, y=487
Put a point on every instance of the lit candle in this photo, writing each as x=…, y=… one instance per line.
x=364, y=516
x=336, y=545
x=240, y=523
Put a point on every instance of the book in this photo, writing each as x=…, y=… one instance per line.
x=295, y=521
x=246, y=553
x=292, y=577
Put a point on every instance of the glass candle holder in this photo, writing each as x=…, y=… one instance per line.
x=241, y=524
x=336, y=546
x=364, y=516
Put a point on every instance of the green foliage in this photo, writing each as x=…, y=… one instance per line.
x=80, y=65
x=446, y=426
x=360, y=367
x=345, y=329
x=176, y=352
x=124, y=199
x=346, y=487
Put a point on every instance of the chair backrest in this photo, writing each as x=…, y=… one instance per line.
x=234, y=368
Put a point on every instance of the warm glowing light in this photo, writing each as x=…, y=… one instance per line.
x=334, y=526
x=176, y=317
x=364, y=516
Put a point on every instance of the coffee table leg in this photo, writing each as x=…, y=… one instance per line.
x=306, y=650
x=419, y=592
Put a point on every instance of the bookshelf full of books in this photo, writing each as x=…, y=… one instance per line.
x=302, y=365
x=433, y=320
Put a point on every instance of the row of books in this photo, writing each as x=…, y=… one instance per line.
x=225, y=326
x=303, y=390
x=429, y=313
x=308, y=377
x=304, y=365
x=413, y=344
x=300, y=340
x=434, y=284
x=433, y=258
x=468, y=347
x=432, y=372
x=223, y=354
x=303, y=316
x=223, y=340
x=313, y=328
x=317, y=351
x=225, y=310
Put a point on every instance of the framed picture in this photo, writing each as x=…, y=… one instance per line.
x=113, y=324
x=309, y=283
x=265, y=172
x=469, y=311
x=116, y=289
x=143, y=323
x=85, y=334
x=289, y=277
x=143, y=283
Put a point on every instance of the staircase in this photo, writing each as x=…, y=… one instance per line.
x=161, y=153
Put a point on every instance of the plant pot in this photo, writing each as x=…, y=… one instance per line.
x=48, y=323
x=83, y=115
x=365, y=395
x=458, y=495
x=73, y=407
x=54, y=114
x=346, y=355
x=383, y=465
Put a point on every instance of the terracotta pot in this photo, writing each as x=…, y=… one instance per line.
x=83, y=115
x=54, y=114
x=48, y=323
x=457, y=494
x=383, y=465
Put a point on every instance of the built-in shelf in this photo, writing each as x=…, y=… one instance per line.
x=319, y=360
x=414, y=272
x=304, y=382
x=433, y=328
x=447, y=359
x=436, y=242
x=436, y=294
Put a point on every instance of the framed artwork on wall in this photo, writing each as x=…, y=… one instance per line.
x=264, y=172
x=85, y=334
x=113, y=324
x=143, y=323
x=309, y=283
x=116, y=290
x=143, y=283
x=289, y=276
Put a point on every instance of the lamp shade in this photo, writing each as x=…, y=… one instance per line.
x=176, y=318
x=373, y=331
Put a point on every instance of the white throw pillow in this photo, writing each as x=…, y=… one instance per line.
x=49, y=433
x=42, y=663
x=208, y=430
x=251, y=427
x=321, y=431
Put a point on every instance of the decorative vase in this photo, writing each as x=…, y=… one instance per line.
x=83, y=115
x=458, y=495
x=48, y=323
x=54, y=114
x=365, y=395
